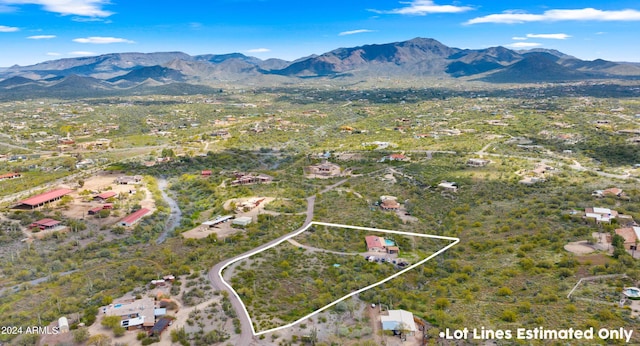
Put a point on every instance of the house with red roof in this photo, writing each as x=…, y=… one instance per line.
x=45, y=224
x=10, y=176
x=42, y=199
x=374, y=243
x=103, y=197
x=134, y=217
x=631, y=237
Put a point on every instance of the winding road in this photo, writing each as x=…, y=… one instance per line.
x=246, y=335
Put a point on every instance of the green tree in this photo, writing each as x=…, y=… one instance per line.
x=99, y=340
x=111, y=321
x=80, y=335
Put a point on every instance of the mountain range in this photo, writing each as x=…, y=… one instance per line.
x=416, y=58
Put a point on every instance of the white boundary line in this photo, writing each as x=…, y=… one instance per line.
x=453, y=239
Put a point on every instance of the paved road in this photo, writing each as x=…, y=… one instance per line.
x=246, y=335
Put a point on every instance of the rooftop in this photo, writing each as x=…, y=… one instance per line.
x=135, y=216
x=398, y=320
x=107, y=194
x=45, y=197
x=374, y=241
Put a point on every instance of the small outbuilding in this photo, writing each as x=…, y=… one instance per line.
x=400, y=322
x=242, y=221
x=63, y=325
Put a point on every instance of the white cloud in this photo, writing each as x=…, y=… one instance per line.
x=524, y=45
x=550, y=36
x=82, y=53
x=259, y=50
x=53, y=54
x=584, y=14
x=90, y=19
x=518, y=38
x=423, y=7
x=41, y=37
x=4, y=28
x=353, y=32
x=101, y=40
x=87, y=8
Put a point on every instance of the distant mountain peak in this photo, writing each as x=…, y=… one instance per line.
x=414, y=58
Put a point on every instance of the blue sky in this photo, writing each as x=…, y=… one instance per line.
x=32, y=31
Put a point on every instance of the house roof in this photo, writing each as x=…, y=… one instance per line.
x=47, y=222
x=603, y=211
x=374, y=241
x=9, y=175
x=396, y=319
x=133, y=217
x=106, y=195
x=95, y=209
x=390, y=204
x=612, y=191
x=45, y=197
x=630, y=234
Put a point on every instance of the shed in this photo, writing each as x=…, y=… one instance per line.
x=63, y=325
x=399, y=321
x=242, y=221
x=159, y=326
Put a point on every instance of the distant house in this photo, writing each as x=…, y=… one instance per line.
x=250, y=179
x=448, y=186
x=206, y=173
x=42, y=199
x=45, y=224
x=242, y=221
x=631, y=237
x=128, y=180
x=614, y=192
x=374, y=243
x=324, y=170
x=218, y=220
x=399, y=322
x=477, y=162
x=96, y=210
x=389, y=203
x=12, y=175
x=398, y=157
x=139, y=313
x=132, y=218
x=600, y=214
x=103, y=197
x=221, y=133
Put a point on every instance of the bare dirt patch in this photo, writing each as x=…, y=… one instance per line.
x=579, y=248
x=225, y=229
x=98, y=183
x=594, y=259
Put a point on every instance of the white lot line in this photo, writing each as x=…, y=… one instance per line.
x=454, y=242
